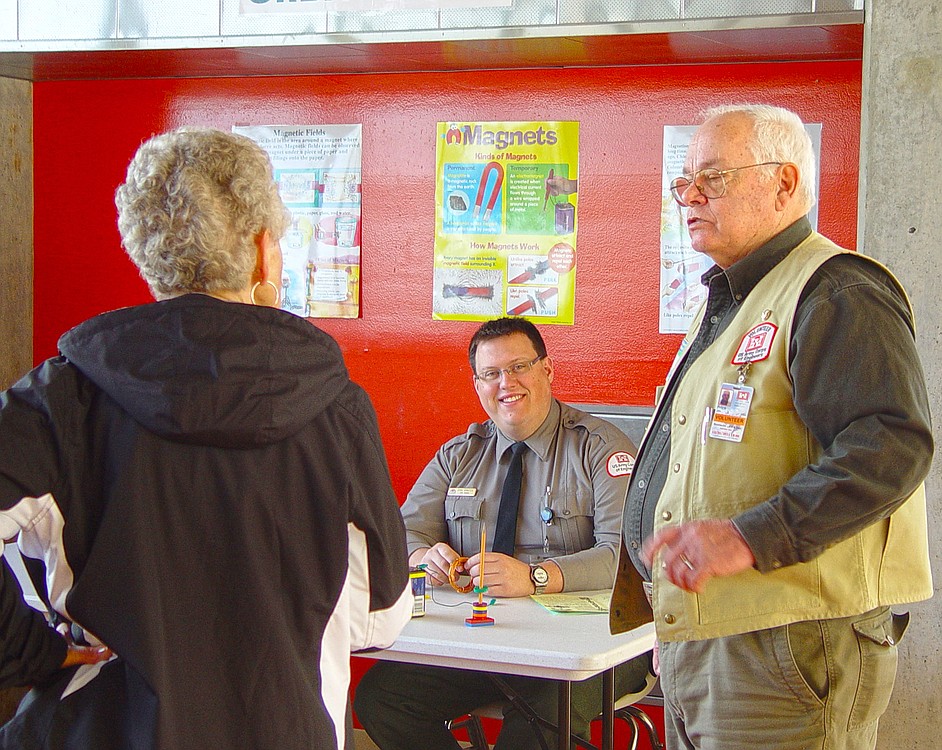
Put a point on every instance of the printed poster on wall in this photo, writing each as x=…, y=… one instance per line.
x=506, y=218
x=681, y=266
x=317, y=168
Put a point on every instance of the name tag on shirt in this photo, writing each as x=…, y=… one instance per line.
x=462, y=491
x=732, y=410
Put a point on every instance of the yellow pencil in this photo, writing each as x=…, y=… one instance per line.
x=481, y=574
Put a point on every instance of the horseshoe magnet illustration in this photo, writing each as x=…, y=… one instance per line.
x=492, y=166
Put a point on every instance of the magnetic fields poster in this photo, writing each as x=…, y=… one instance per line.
x=506, y=218
x=317, y=168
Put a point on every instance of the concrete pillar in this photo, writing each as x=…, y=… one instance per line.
x=16, y=229
x=16, y=254
x=899, y=208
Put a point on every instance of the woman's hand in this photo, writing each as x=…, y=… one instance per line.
x=78, y=654
x=86, y=655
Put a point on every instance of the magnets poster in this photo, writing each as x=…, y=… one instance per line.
x=317, y=168
x=506, y=217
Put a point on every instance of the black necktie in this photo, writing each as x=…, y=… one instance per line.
x=505, y=537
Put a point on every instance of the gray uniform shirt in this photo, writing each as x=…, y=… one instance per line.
x=577, y=466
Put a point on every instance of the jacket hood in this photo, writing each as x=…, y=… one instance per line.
x=195, y=369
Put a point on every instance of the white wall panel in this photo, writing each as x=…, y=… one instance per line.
x=532, y=13
x=154, y=19
x=67, y=19
x=236, y=24
x=7, y=19
x=614, y=11
x=382, y=20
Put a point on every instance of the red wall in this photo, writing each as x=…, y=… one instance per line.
x=413, y=367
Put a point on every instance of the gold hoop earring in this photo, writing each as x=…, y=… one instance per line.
x=270, y=283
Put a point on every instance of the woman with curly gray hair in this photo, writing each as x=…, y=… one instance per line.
x=199, y=212
x=202, y=488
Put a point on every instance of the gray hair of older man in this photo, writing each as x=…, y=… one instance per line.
x=778, y=135
x=191, y=207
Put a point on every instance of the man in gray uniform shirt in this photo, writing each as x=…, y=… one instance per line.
x=575, y=470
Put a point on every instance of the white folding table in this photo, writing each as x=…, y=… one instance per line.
x=526, y=639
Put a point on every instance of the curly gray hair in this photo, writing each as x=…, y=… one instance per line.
x=191, y=207
x=778, y=136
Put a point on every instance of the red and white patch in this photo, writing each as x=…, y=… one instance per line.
x=620, y=464
x=756, y=344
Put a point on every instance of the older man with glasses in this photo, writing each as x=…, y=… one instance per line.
x=777, y=510
x=549, y=483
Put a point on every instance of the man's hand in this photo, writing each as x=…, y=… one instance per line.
x=693, y=553
x=437, y=559
x=504, y=576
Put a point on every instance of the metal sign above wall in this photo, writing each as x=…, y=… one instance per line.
x=249, y=7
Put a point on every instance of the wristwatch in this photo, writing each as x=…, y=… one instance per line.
x=540, y=578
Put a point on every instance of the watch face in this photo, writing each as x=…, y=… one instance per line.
x=539, y=576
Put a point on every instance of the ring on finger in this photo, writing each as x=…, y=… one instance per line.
x=686, y=561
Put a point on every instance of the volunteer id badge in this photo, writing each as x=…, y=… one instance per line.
x=732, y=410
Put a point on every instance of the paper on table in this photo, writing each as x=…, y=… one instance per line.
x=575, y=603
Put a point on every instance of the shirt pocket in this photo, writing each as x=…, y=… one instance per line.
x=574, y=520
x=463, y=516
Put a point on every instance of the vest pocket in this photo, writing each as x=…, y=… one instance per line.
x=752, y=594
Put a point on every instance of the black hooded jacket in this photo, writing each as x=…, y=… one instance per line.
x=207, y=493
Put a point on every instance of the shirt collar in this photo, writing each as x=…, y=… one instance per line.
x=541, y=441
x=745, y=273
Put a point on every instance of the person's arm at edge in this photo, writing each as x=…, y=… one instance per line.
x=31, y=651
x=378, y=566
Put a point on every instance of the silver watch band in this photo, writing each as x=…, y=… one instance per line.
x=538, y=588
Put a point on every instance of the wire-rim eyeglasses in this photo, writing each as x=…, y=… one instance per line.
x=710, y=183
x=517, y=369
